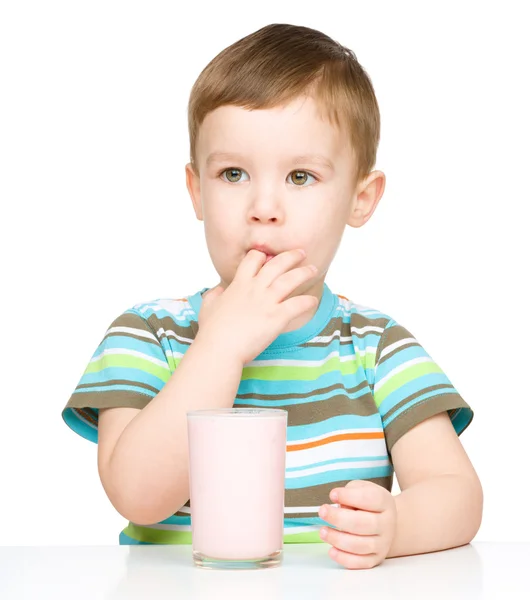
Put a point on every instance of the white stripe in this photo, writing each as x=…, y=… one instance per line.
x=299, y=363
x=174, y=353
x=133, y=331
x=396, y=345
x=185, y=509
x=342, y=449
x=347, y=338
x=302, y=529
x=292, y=510
x=152, y=359
x=367, y=464
x=367, y=328
x=171, y=333
x=177, y=312
x=329, y=338
x=333, y=433
x=400, y=368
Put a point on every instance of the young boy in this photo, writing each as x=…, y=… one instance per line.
x=284, y=128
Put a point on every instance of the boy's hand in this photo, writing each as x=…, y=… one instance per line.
x=246, y=317
x=366, y=519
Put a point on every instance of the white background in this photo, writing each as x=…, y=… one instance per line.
x=95, y=216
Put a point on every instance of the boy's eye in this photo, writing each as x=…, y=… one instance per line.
x=233, y=175
x=299, y=178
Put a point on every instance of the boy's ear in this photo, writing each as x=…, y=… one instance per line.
x=193, y=183
x=366, y=199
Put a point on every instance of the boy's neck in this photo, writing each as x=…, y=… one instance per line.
x=316, y=290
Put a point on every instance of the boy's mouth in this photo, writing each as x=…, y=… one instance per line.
x=263, y=248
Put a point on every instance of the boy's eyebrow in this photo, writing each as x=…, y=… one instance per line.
x=300, y=159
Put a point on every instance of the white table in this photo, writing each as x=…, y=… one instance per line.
x=481, y=570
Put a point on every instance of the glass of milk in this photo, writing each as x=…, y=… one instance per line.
x=237, y=486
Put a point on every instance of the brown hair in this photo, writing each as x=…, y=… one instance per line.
x=280, y=62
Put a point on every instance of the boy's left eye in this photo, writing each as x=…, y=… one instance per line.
x=300, y=177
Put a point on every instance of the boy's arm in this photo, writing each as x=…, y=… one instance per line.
x=143, y=454
x=440, y=504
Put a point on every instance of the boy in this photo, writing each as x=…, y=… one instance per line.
x=284, y=127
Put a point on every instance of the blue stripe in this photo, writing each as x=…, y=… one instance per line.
x=417, y=400
x=114, y=341
x=334, y=461
x=80, y=427
x=404, y=355
x=125, y=540
x=114, y=388
x=303, y=522
x=461, y=419
x=412, y=387
x=297, y=483
x=314, y=397
x=129, y=374
x=298, y=386
x=303, y=432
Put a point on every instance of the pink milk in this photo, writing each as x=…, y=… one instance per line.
x=237, y=483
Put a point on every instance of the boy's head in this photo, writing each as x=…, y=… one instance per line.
x=264, y=117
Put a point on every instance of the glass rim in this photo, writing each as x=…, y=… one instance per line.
x=240, y=412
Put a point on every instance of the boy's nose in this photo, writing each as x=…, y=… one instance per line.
x=266, y=210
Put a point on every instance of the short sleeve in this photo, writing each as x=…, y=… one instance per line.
x=409, y=387
x=128, y=368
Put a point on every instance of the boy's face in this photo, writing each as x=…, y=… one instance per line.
x=253, y=190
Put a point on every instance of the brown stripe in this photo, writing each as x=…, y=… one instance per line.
x=87, y=386
x=419, y=413
x=356, y=320
x=303, y=395
x=432, y=388
x=319, y=494
x=168, y=324
x=128, y=319
x=314, y=412
x=108, y=400
x=397, y=350
x=88, y=414
x=391, y=336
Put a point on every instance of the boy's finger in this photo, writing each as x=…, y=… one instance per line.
x=353, y=561
x=356, y=544
x=251, y=264
x=359, y=522
x=363, y=497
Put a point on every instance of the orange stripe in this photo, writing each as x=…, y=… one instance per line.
x=337, y=438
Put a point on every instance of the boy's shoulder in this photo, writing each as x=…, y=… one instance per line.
x=362, y=316
x=178, y=310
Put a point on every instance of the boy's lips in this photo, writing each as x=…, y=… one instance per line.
x=263, y=248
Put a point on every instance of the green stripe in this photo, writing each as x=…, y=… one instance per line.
x=306, y=537
x=405, y=377
x=369, y=360
x=157, y=536
x=165, y=536
x=127, y=361
x=281, y=373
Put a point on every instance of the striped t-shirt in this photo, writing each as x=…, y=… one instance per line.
x=352, y=380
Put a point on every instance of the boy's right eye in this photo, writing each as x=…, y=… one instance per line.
x=232, y=175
